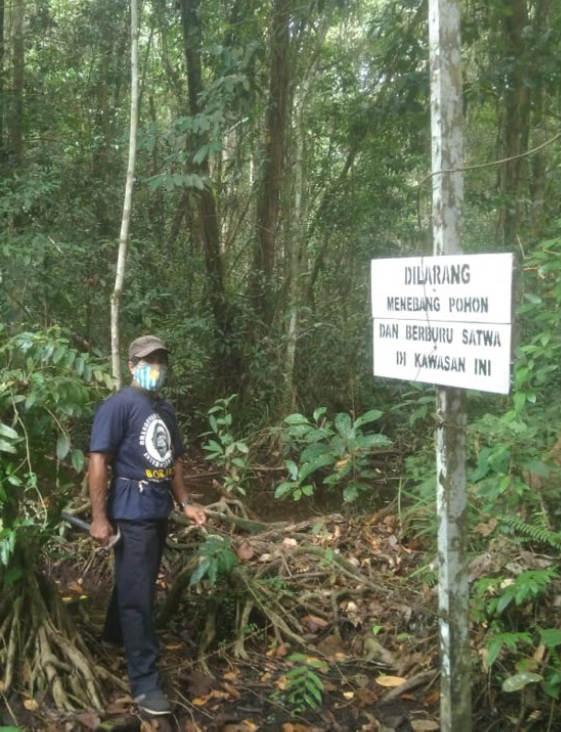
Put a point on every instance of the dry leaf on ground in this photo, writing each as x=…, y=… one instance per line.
x=424, y=725
x=390, y=681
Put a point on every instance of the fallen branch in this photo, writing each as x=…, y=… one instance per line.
x=412, y=683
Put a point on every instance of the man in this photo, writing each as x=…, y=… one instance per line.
x=135, y=434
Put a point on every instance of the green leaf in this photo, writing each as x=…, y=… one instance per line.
x=552, y=684
x=296, y=419
x=31, y=399
x=284, y=488
x=319, y=412
x=313, y=450
x=10, y=578
x=519, y=400
x=292, y=469
x=7, y=447
x=8, y=432
x=319, y=462
x=537, y=467
x=59, y=353
x=213, y=446
x=78, y=460
x=350, y=493
x=109, y=381
x=200, y=572
x=7, y=544
x=201, y=154
x=299, y=431
x=69, y=359
x=62, y=446
x=551, y=637
x=505, y=599
x=343, y=425
x=520, y=681
x=493, y=650
x=370, y=416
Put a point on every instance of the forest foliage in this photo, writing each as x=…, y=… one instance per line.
x=281, y=147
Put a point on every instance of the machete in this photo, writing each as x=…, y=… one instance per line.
x=78, y=523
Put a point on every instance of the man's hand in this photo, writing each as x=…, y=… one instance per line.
x=101, y=531
x=195, y=514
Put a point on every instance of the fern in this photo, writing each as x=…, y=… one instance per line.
x=534, y=532
x=304, y=687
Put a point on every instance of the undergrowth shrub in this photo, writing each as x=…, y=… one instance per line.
x=332, y=453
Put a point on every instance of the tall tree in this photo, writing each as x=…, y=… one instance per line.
x=18, y=66
x=516, y=118
x=125, y=222
x=272, y=167
x=209, y=227
x=2, y=91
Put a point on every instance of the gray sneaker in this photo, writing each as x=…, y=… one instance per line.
x=154, y=702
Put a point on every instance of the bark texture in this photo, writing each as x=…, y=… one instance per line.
x=269, y=196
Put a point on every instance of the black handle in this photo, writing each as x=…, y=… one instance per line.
x=75, y=521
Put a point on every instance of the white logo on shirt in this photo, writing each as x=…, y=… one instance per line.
x=155, y=439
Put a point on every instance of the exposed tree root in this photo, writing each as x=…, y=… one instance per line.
x=175, y=594
x=284, y=576
x=41, y=650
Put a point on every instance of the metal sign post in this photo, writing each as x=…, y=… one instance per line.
x=446, y=320
x=447, y=198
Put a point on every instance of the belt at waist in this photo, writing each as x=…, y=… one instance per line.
x=143, y=482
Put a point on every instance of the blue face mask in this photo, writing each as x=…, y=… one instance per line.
x=150, y=376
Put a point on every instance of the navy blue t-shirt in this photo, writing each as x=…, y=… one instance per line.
x=140, y=432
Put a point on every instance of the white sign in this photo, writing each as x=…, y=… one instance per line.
x=444, y=320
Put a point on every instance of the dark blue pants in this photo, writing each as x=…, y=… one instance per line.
x=130, y=616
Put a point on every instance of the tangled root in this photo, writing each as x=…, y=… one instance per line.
x=41, y=649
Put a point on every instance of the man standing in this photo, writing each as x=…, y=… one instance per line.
x=135, y=437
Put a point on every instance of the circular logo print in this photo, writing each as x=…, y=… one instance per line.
x=156, y=441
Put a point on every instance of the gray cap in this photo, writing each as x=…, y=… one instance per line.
x=145, y=345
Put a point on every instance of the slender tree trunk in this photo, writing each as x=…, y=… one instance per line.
x=296, y=247
x=539, y=124
x=268, y=205
x=18, y=66
x=125, y=222
x=208, y=213
x=206, y=217
x=2, y=92
x=298, y=237
x=516, y=121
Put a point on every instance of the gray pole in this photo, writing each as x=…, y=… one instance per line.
x=447, y=198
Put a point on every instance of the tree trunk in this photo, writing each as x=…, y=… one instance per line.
x=268, y=204
x=207, y=220
x=516, y=122
x=298, y=236
x=208, y=214
x=539, y=124
x=18, y=61
x=295, y=246
x=2, y=92
x=125, y=222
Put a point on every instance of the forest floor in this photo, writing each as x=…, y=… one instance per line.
x=328, y=623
